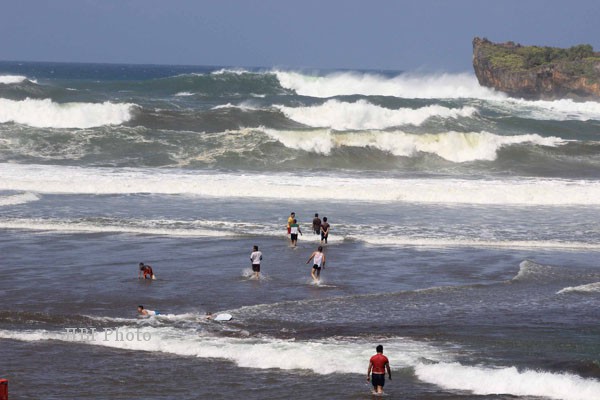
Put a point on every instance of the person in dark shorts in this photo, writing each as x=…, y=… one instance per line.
x=255, y=258
x=378, y=364
x=316, y=224
x=318, y=258
x=324, y=230
x=290, y=221
x=145, y=270
x=294, y=231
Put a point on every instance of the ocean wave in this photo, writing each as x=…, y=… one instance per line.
x=589, y=288
x=64, y=179
x=437, y=86
x=482, y=380
x=475, y=243
x=322, y=357
x=452, y=146
x=12, y=79
x=183, y=94
x=328, y=356
x=545, y=110
x=364, y=115
x=16, y=199
x=48, y=114
x=152, y=227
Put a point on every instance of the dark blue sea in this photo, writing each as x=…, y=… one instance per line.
x=464, y=235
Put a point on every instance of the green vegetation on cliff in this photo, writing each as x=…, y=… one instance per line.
x=579, y=60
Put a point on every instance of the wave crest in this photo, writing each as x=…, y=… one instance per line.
x=369, y=84
x=48, y=114
x=12, y=79
x=452, y=146
x=364, y=115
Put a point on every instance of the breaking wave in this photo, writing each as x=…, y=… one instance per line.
x=589, y=288
x=364, y=115
x=63, y=179
x=12, y=79
x=48, y=114
x=328, y=356
x=452, y=146
x=413, y=86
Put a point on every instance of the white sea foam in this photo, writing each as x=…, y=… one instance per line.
x=16, y=199
x=487, y=381
x=589, y=288
x=361, y=114
x=339, y=355
x=236, y=71
x=452, y=146
x=66, y=179
x=452, y=242
x=160, y=228
x=12, y=79
x=560, y=110
x=183, y=94
x=433, y=86
x=319, y=356
x=48, y=114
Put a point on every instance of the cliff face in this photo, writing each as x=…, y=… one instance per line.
x=533, y=72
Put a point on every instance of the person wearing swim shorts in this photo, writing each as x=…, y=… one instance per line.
x=294, y=231
x=378, y=364
x=255, y=258
x=318, y=258
x=290, y=221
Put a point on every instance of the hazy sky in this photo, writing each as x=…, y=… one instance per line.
x=431, y=35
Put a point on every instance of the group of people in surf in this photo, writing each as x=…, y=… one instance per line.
x=378, y=364
x=319, y=228
x=293, y=229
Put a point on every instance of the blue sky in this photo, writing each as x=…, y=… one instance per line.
x=429, y=35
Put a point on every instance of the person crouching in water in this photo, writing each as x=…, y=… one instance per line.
x=146, y=270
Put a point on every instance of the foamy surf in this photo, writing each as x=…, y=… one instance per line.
x=412, y=86
x=452, y=146
x=77, y=180
x=481, y=380
x=12, y=79
x=362, y=115
x=17, y=199
x=589, y=288
x=328, y=356
x=48, y=114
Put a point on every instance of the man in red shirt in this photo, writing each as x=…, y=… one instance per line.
x=377, y=366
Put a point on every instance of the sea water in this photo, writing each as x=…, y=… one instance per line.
x=464, y=235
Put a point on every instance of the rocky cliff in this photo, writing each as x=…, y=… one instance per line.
x=534, y=72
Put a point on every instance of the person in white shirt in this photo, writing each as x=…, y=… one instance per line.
x=255, y=258
x=318, y=258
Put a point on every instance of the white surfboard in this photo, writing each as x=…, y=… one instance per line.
x=223, y=317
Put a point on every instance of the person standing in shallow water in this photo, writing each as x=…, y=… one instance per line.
x=255, y=258
x=290, y=221
x=376, y=372
x=324, y=230
x=316, y=224
x=294, y=231
x=318, y=258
